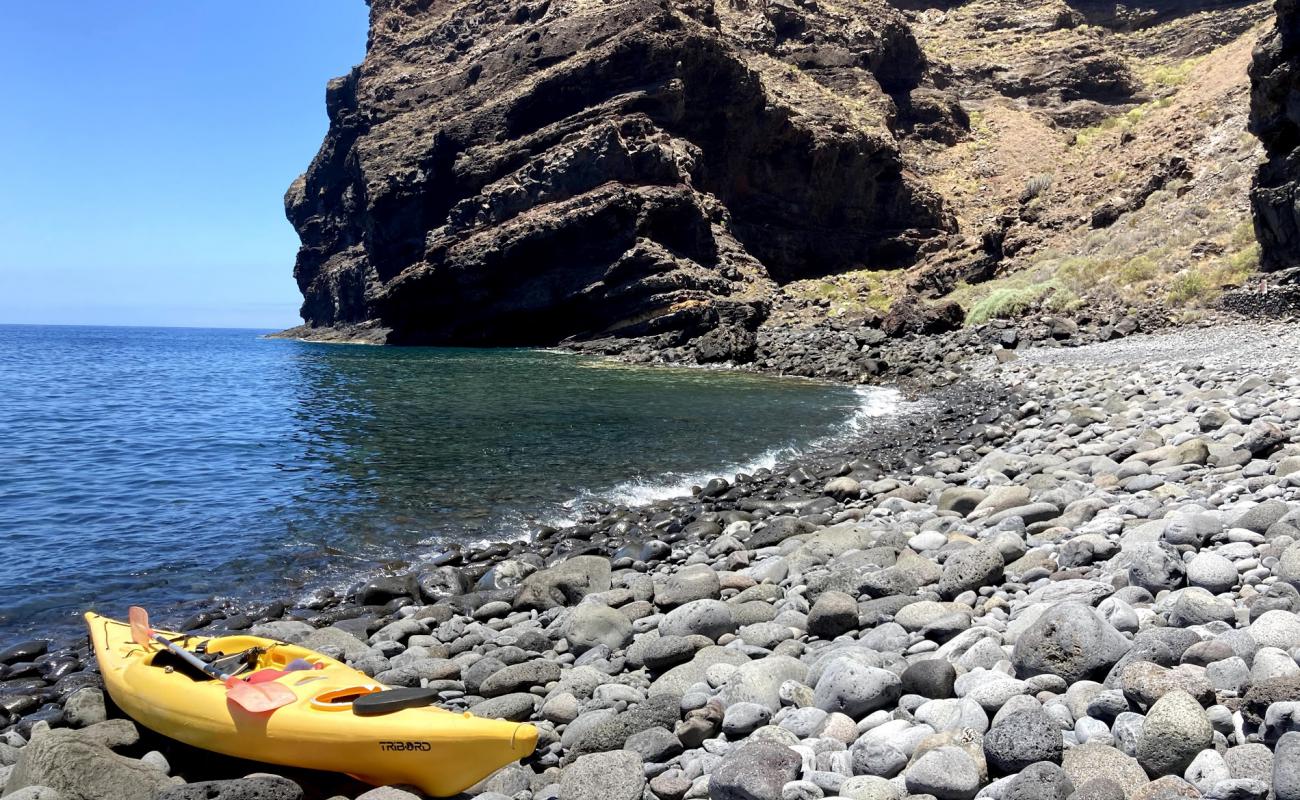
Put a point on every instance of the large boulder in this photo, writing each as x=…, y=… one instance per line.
x=911, y=314
x=976, y=566
x=757, y=770
x=1092, y=761
x=675, y=681
x=833, y=614
x=608, y=731
x=81, y=769
x=1041, y=781
x=855, y=689
x=1155, y=567
x=947, y=773
x=710, y=618
x=1021, y=738
x=1071, y=641
x=1175, y=730
x=564, y=584
x=381, y=590
x=616, y=775
x=694, y=582
x=759, y=681
x=1286, y=767
x=590, y=624
x=520, y=677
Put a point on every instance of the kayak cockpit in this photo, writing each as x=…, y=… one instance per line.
x=235, y=664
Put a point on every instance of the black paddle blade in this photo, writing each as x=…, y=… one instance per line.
x=386, y=702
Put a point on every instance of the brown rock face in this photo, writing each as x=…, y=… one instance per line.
x=1275, y=96
x=505, y=172
x=1144, y=13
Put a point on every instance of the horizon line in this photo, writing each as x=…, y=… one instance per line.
x=134, y=325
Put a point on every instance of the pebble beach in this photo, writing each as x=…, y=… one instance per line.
x=1070, y=575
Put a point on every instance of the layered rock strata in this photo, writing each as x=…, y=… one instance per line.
x=520, y=173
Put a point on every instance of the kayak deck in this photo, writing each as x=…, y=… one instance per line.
x=438, y=751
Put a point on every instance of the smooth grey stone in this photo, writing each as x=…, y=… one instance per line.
x=754, y=771
x=947, y=773
x=1174, y=732
x=616, y=775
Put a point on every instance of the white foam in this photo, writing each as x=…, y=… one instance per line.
x=873, y=403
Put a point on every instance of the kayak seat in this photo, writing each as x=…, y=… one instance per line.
x=233, y=664
x=166, y=659
x=391, y=700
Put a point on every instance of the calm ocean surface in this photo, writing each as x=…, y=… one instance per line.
x=165, y=465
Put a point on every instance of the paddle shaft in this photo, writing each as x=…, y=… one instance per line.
x=191, y=659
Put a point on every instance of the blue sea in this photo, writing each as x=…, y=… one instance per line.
x=164, y=466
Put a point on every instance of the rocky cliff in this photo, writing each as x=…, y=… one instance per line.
x=499, y=171
x=1275, y=119
x=533, y=171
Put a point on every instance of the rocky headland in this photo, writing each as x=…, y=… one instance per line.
x=1072, y=575
x=720, y=182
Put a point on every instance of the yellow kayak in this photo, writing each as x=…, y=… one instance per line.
x=440, y=752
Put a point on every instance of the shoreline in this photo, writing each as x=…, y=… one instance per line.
x=1016, y=461
x=894, y=426
x=339, y=585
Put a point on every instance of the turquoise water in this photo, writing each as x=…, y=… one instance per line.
x=159, y=466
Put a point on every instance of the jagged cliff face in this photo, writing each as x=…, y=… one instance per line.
x=1275, y=119
x=499, y=171
x=1104, y=134
x=527, y=171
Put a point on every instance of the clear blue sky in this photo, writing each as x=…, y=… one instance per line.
x=145, y=147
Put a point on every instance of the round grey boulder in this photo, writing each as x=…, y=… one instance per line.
x=869, y=787
x=616, y=775
x=1212, y=572
x=876, y=758
x=833, y=614
x=855, y=689
x=1286, y=767
x=1041, y=781
x=948, y=773
x=1276, y=628
x=695, y=582
x=1156, y=567
x=592, y=624
x=269, y=787
x=711, y=618
x=1092, y=761
x=976, y=566
x=757, y=770
x=1069, y=640
x=933, y=678
x=742, y=719
x=1022, y=738
x=1174, y=732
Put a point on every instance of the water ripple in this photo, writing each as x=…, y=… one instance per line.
x=169, y=465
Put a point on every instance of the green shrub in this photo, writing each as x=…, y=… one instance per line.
x=1243, y=236
x=1138, y=270
x=1188, y=287
x=1171, y=75
x=1006, y=302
